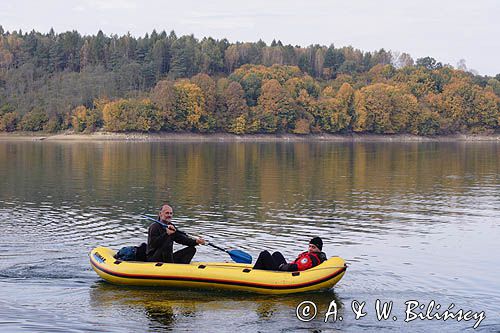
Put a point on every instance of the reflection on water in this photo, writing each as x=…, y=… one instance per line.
x=174, y=309
x=413, y=220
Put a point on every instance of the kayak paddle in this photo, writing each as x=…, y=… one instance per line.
x=238, y=256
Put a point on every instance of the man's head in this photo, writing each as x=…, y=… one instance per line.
x=315, y=245
x=166, y=213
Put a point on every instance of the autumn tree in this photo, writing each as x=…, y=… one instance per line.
x=9, y=121
x=251, y=83
x=83, y=119
x=163, y=97
x=469, y=106
x=345, y=111
x=295, y=84
x=207, y=86
x=278, y=112
x=131, y=115
x=305, y=103
x=421, y=81
x=220, y=115
x=427, y=121
x=381, y=73
x=384, y=109
x=251, y=77
x=190, y=113
x=34, y=120
x=79, y=118
x=333, y=114
x=236, y=108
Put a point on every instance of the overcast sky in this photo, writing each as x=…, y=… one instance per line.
x=448, y=30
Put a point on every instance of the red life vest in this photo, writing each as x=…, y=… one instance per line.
x=306, y=260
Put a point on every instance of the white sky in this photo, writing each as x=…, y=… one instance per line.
x=448, y=30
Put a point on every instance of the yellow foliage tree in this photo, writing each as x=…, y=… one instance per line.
x=239, y=125
x=79, y=118
x=384, y=109
x=280, y=73
x=360, y=121
x=208, y=87
x=296, y=84
x=335, y=114
x=305, y=102
x=381, y=73
x=469, y=106
x=278, y=112
x=328, y=92
x=344, y=111
x=189, y=107
x=131, y=115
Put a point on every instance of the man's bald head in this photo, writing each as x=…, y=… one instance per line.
x=166, y=213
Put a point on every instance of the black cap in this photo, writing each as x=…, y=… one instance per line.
x=318, y=242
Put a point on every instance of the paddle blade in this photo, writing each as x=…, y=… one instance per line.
x=240, y=257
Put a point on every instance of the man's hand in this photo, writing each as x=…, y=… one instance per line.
x=200, y=241
x=170, y=230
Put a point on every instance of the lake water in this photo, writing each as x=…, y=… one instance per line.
x=414, y=221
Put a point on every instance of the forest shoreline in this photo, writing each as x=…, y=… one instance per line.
x=227, y=137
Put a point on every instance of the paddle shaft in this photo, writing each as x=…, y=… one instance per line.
x=237, y=255
x=219, y=248
x=161, y=223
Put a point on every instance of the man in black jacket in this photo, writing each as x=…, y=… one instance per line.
x=161, y=240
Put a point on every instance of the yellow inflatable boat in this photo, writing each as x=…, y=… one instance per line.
x=211, y=275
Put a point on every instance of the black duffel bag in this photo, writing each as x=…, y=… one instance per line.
x=132, y=253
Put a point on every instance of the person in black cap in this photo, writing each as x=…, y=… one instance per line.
x=276, y=262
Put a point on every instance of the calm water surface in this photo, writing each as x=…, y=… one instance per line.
x=415, y=221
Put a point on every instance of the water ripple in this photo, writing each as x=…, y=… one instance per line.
x=411, y=221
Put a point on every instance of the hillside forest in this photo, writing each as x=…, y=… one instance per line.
x=161, y=82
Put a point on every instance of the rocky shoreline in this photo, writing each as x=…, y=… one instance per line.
x=225, y=137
